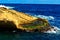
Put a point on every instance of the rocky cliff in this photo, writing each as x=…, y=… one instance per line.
x=22, y=21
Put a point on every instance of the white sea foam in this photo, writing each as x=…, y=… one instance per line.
x=55, y=30
x=8, y=7
x=45, y=17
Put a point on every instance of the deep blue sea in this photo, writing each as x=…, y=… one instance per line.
x=51, y=12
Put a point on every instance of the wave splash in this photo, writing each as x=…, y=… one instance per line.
x=45, y=17
x=55, y=29
x=8, y=7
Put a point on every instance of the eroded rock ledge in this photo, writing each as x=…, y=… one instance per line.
x=12, y=19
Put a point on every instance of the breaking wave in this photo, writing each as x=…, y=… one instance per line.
x=8, y=7
x=45, y=17
x=55, y=29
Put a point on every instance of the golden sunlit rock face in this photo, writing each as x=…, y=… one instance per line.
x=23, y=21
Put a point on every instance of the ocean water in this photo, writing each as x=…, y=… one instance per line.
x=51, y=12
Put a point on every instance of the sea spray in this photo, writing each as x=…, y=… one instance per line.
x=54, y=30
x=8, y=7
x=45, y=17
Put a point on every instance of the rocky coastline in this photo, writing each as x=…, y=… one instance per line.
x=13, y=20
